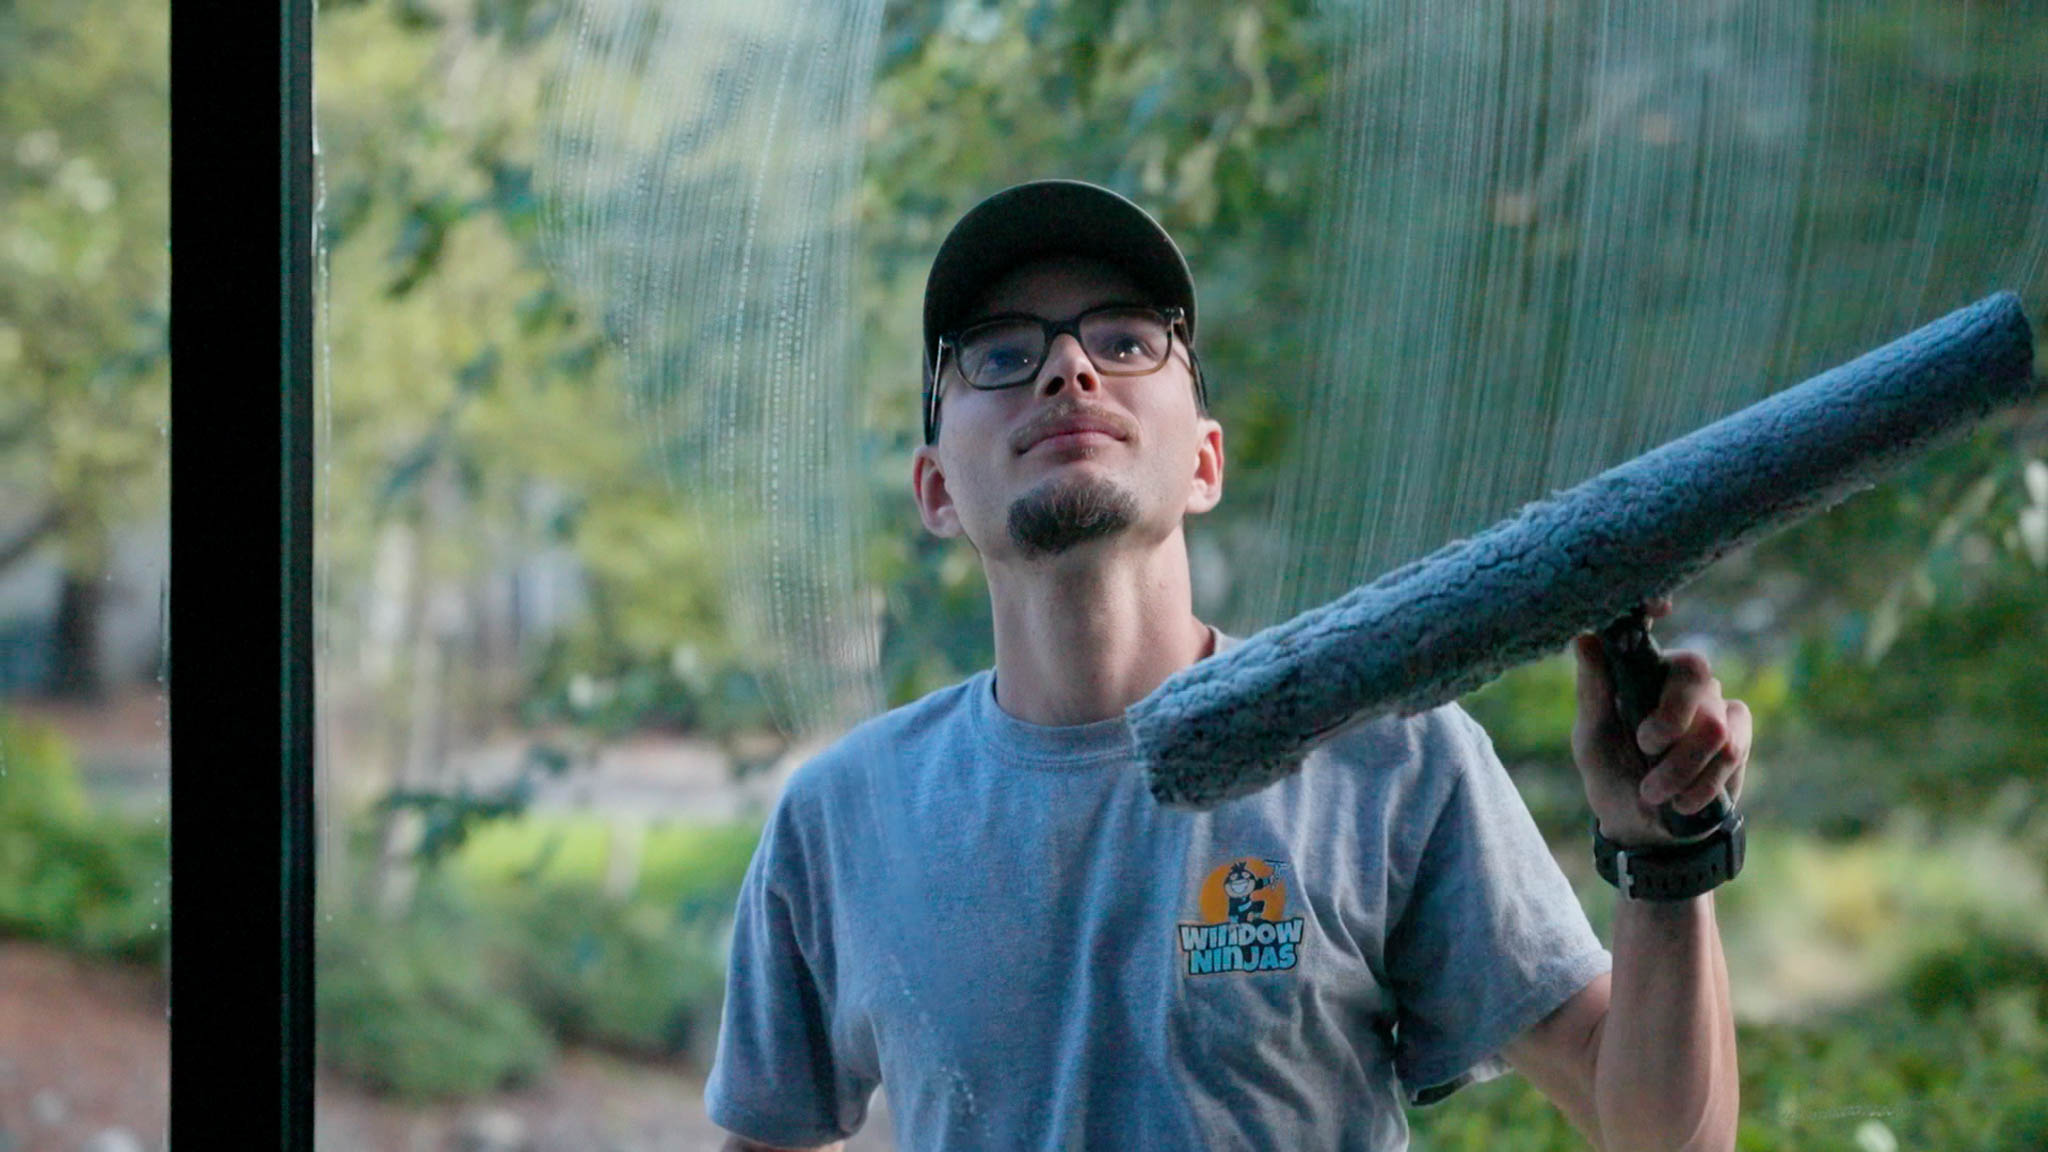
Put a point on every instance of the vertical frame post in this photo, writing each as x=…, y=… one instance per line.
x=241, y=610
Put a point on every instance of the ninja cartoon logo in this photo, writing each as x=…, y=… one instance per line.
x=1244, y=924
x=1239, y=884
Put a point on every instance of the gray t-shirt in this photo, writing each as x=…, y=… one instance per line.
x=996, y=920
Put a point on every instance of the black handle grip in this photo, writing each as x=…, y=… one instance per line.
x=1638, y=670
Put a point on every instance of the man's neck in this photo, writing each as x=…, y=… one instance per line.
x=1083, y=639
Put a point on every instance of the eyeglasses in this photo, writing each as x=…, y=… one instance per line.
x=1008, y=351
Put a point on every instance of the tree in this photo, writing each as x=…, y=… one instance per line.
x=84, y=299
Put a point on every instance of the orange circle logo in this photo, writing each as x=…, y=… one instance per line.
x=1246, y=890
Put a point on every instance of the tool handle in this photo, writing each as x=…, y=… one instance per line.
x=1638, y=670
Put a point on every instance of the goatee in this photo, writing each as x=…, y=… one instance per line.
x=1059, y=515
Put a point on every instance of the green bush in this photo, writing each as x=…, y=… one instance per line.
x=416, y=1007
x=1950, y=1058
x=1987, y=963
x=512, y=950
x=643, y=976
x=69, y=873
x=1948, y=720
x=633, y=978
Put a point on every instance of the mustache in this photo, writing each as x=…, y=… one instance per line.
x=1042, y=424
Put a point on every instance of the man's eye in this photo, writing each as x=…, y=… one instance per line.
x=1001, y=360
x=1126, y=347
x=1124, y=338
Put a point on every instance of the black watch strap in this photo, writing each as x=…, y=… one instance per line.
x=1672, y=871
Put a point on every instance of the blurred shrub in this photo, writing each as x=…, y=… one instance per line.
x=513, y=950
x=415, y=1007
x=633, y=978
x=585, y=680
x=71, y=873
x=1937, y=1040
x=1951, y=1057
x=1947, y=719
x=644, y=975
x=1957, y=1079
x=1988, y=963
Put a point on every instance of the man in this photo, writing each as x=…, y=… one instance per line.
x=974, y=900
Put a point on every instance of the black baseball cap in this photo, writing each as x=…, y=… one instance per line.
x=1050, y=218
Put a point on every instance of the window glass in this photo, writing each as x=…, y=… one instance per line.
x=619, y=391
x=84, y=551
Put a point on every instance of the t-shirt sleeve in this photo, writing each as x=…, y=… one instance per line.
x=776, y=1078
x=1491, y=938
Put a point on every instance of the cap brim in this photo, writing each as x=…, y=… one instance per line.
x=1051, y=218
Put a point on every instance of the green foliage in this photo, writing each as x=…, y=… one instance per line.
x=1950, y=718
x=84, y=297
x=642, y=975
x=474, y=404
x=691, y=865
x=70, y=873
x=631, y=977
x=1977, y=969
x=1955, y=1081
x=418, y=1008
x=1502, y=1113
x=1892, y=981
x=1914, y=670
x=610, y=687
x=1950, y=1078
x=513, y=950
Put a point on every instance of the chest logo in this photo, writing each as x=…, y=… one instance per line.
x=1244, y=923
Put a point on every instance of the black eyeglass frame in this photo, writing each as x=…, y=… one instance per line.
x=1176, y=325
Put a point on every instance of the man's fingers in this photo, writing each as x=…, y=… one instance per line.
x=1688, y=686
x=1689, y=763
x=1596, y=691
x=1741, y=734
x=1707, y=760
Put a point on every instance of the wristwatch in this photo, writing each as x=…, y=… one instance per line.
x=1672, y=871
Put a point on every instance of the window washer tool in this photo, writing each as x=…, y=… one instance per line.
x=1586, y=559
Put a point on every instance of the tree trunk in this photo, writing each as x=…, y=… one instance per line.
x=398, y=833
x=75, y=672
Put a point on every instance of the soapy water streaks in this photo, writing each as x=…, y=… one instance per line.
x=1549, y=238
x=700, y=164
x=1556, y=236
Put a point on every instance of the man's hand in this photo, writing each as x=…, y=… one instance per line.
x=1694, y=744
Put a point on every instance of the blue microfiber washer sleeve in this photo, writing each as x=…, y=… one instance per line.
x=1443, y=625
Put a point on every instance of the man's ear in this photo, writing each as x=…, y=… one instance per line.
x=1205, y=487
x=934, y=502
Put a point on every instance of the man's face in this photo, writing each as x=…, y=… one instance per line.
x=1075, y=459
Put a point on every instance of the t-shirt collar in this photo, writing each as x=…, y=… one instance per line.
x=1043, y=745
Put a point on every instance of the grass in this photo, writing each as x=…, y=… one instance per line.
x=679, y=860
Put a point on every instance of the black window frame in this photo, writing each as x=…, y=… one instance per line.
x=240, y=602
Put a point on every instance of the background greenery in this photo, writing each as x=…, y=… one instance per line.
x=1888, y=940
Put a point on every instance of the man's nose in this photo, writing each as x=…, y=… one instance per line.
x=1067, y=363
